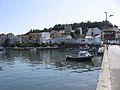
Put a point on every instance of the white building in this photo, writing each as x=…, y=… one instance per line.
x=93, y=36
x=11, y=38
x=2, y=39
x=44, y=37
x=18, y=39
x=62, y=32
x=93, y=39
x=94, y=32
x=63, y=38
x=77, y=41
x=117, y=33
x=67, y=28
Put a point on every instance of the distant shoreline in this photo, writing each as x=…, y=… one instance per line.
x=50, y=47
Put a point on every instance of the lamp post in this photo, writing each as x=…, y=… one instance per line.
x=107, y=18
x=106, y=22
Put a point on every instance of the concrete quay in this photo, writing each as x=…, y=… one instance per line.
x=109, y=78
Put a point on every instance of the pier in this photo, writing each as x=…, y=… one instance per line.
x=109, y=78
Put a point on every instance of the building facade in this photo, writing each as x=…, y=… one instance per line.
x=93, y=36
x=67, y=28
x=2, y=39
x=44, y=37
x=11, y=38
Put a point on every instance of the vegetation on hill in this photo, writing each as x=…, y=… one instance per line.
x=83, y=25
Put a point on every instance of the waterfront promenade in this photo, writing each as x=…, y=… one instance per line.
x=109, y=78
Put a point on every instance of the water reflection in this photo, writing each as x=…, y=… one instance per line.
x=46, y=70
x=47, y=59
x=1, y=68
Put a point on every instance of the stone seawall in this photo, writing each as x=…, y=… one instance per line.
x=104, y=76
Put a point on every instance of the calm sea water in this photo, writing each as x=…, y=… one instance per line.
x=46, y=70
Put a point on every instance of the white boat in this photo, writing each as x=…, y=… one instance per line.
x=82, y=56
x=2, y=49
x=100, y=51
x=33, y=49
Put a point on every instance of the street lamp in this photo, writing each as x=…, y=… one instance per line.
x=107, y=16
x=106, y=21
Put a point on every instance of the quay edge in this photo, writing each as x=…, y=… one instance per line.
x=104, y=76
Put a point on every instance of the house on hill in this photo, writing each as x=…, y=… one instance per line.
x=93, y=36
x=44, y=37
x=2, y=39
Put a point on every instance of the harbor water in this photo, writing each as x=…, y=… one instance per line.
x=46, y=70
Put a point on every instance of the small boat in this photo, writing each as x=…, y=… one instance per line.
x=2, y=49
x=33, y=49
x=100, y=51
x=82, y=56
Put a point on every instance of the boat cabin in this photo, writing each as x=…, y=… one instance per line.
x=83, y=54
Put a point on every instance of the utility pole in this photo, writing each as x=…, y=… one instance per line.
x=106, y=25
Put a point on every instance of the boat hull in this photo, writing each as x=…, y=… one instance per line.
x=89, y=58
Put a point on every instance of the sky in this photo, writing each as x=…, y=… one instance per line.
x=19, y=16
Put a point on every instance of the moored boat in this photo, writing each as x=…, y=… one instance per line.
x=82, y=56
x=33, y=49
x=100, y=51
x=2, y=49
